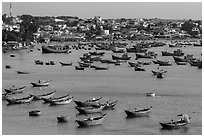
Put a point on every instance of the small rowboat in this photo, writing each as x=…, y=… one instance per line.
x=90, y=110
x=49, y=100
x=35, y=113
x=156, y=71
x=91, y=121
x=63, y=118
x=150, y=94
x=65, y=64
x=133, y=64
x=88, y=103
x=21, y=100
x=176, y=124
x=45, y=96
x=15, y=90
x=138, y=113
x=111, y=105
x=79, y=68
x=23, y=72
x=41, y=83
x=62, y=102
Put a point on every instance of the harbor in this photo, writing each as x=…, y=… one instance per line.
x=101, y=72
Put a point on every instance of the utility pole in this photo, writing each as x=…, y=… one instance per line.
x=10, y=10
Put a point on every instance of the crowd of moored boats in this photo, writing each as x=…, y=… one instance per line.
x=94, y=105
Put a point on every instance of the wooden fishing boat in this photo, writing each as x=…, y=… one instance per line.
x=143, y=55
x=79, y=68
x=176, y=124
x=62, y=118
x=144, y=62
x=45, y=96
x=164, y=63
x=179, y=59
x=97, y=53
x=82, y=64
x=111, y=61
x=62, y=102
x=21, y=100
x=138, y=113
x=23, y=72
x=49, y=100
x=65, y=64
x=15, y=90
x=123, y=57
x=91, y=121
x=35, y=113
x=118, y=51
x=166, y=53
x=110, y=105
x=41, y=83
x=54, y=49
x=90, y=110
x=133, y=64
x=88, y=103
x=159, y=70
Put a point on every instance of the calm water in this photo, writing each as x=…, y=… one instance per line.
x=179, y=92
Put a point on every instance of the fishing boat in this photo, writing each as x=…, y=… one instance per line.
x=41, y=83
x=79, y=68
x=45, y=96
x=144, y=62
x=91, y=121
x=176, y=124
x=123, y=57
x=180, y=59
x=15, y=90
x=138, y=113
x=88, y=103
x=110, y=105
x=144, y=55
x=82, y=64
x=159, y=70
x=133, y=64
x=166, y=53
x=21, y=100
x=97, y=53
x=151, y=94
x=62, y=102
x=164, y=63
x=54, y=49
x=65, y=64
x=62, y=118
x=35, y=113
x=49, y=100
x=23, y=72
x=90, y=110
